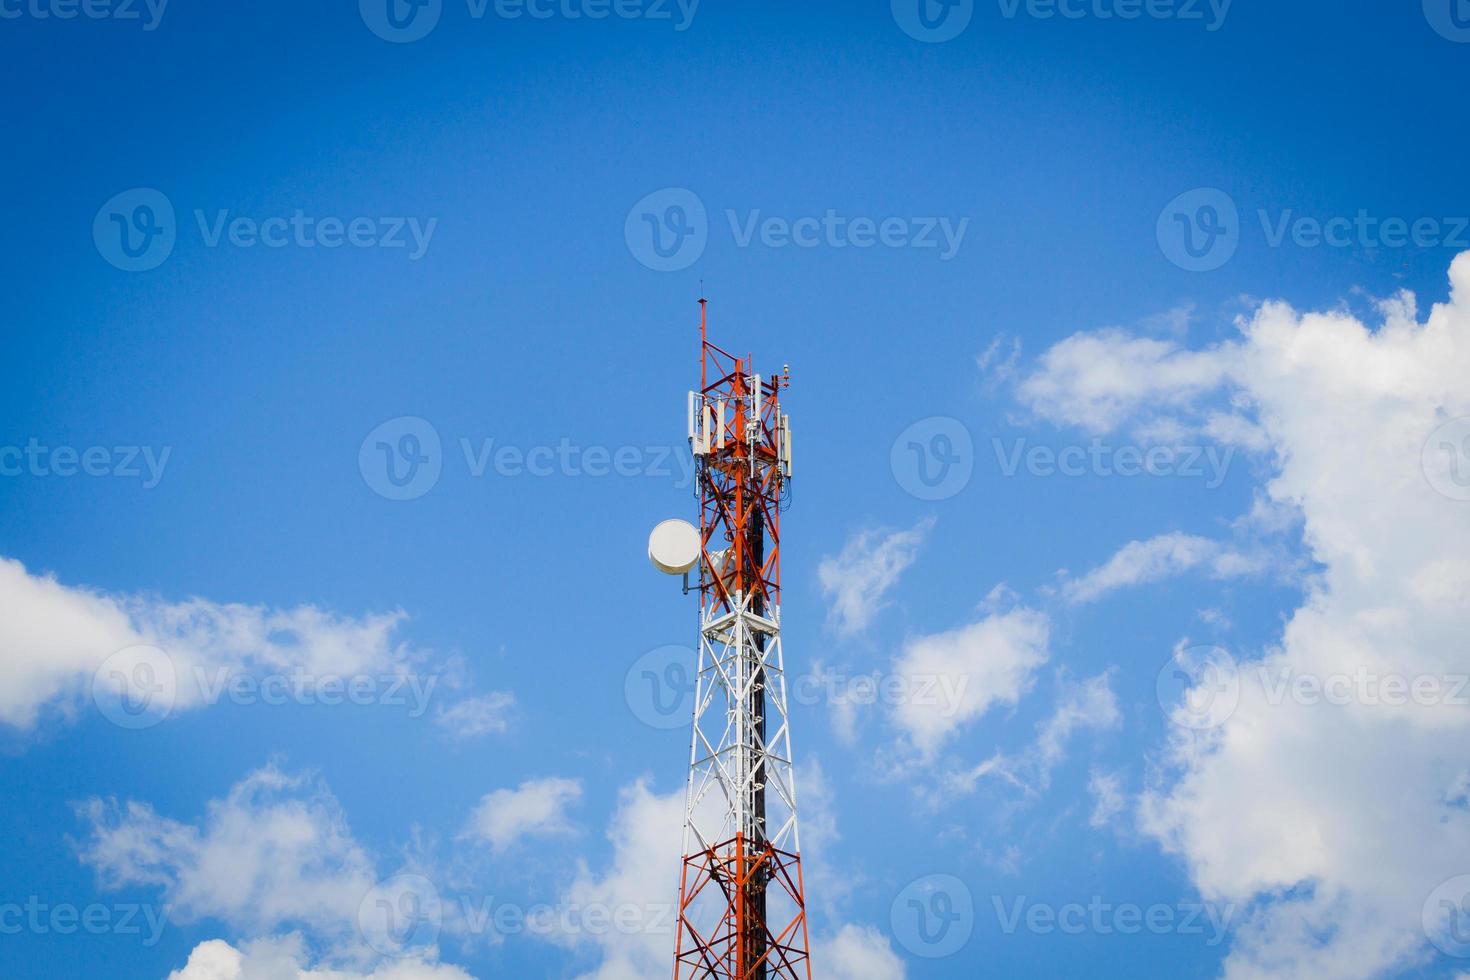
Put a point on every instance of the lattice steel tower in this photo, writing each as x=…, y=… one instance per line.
x=742, y=909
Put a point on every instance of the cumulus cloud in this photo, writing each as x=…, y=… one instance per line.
x=276, y=863
x=869, y=565
x=286, y=958
x=536, y=808
x=1101, y=381
x=1331, y=822
x=1159, y=558
x=275, y=851
x=55, y=638
x=858, y=953
x=637, y=885
x=967, y=671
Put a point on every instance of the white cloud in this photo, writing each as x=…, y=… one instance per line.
x=1158, y=558
x=536, y=808
x=275, y=862
x=1108, y=799
x=858, y=578
x=1332, y=824
x=488, y=714
x=1103, y=380
x=997, y=363
x=276, y=851
x=829, y=883
x=642, y=881
x=983, y=664
x=857, y=953
x=1090, y=705
x=286, y=958
x=54, y=638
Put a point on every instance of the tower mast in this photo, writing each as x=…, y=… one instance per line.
x=742, y=907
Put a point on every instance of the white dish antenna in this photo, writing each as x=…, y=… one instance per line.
x=673, y=547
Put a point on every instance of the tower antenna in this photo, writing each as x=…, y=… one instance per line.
x=742, y=902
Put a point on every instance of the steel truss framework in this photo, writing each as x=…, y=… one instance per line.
x=742, y=906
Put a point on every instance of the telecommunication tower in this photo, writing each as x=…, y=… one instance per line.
x=742, y=905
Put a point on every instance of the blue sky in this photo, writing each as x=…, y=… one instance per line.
x=246, y=245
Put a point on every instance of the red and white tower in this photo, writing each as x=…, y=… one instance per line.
x=742, y=909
